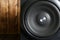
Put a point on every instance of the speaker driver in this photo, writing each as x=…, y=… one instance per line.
x=41, y=19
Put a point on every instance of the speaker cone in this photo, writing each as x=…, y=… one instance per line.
x=41, y=19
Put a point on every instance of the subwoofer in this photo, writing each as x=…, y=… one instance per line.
x=40, y=20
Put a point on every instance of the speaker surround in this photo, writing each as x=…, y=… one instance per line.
x=40, y=19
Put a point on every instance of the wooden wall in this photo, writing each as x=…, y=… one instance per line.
x=9, y=17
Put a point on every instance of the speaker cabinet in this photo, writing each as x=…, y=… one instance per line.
x=40, y=20
x=9, y=19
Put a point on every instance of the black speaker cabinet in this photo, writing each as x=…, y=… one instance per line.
x=40, y=20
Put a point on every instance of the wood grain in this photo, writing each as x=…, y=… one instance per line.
x=9, y=16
